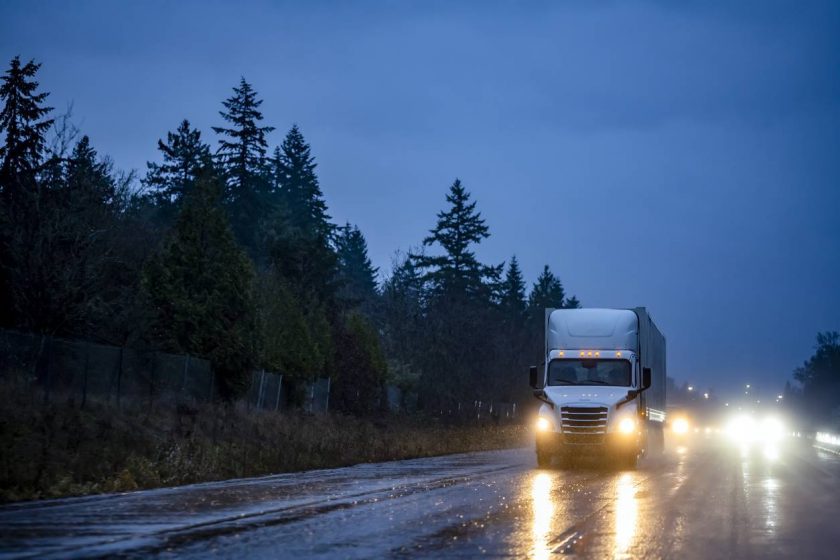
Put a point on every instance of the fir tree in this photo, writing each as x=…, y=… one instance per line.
x=299, y=233
x=294, y=169
x=457, y=272
x=23, y=123
x=89, y=181
x=357, y=276
x=200, y=286
x=512, y=300
x=547, y=292
x=241, y=155
x=571, y=303
x=360, y=369
x=184, y=156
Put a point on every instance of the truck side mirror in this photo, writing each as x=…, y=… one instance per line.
x=646, y=378
x=532, y=377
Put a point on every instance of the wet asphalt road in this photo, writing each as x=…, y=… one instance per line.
x=701, y=499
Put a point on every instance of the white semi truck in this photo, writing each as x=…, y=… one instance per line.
x=602, y=385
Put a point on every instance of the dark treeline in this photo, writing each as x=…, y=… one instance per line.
x=816, y=393
x=226, y=250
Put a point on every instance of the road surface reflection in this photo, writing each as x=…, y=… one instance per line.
x=626, y=513
x=543, y=507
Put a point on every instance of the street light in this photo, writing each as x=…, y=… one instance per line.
x=705, y=395
x=691, y=387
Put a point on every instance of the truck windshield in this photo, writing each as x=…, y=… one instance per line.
x=589, y=372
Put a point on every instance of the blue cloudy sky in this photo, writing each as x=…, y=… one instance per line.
x=678, y=155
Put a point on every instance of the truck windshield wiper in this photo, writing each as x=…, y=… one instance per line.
x=595, y=382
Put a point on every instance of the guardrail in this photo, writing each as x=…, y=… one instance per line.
x=827, y=442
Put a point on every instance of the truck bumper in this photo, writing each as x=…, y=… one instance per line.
x=557, y=443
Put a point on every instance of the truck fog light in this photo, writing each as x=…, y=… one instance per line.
x=543, y=425
x=627, y=425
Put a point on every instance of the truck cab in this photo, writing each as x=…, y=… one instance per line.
x=602, y=385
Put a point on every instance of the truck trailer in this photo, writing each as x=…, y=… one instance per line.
x=602, y=386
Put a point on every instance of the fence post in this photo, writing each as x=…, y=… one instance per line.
x=279, y=388
x=186, y=367
x=46, y=344
x=85, y=379
x=260, y=391
x=119, y=375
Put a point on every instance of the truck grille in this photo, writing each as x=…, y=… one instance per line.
x=584, y=425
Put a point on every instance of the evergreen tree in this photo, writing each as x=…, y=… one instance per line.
x=200, y=286
x=294, y=169
x=89, y=184
x=23, y=123
x=241, y=154
x=360, y=369
x=571, y=303
x=295, y=337
x=184, y=156
x=357, y=276
x=457, y=272
x=512, y=301
x=547, y=292
x=820, y=379
x=299, y=233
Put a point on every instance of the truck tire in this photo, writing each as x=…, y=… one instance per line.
x=628, y=461
x=543, y=459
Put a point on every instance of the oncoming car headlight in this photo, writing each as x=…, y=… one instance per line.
x=680, y=426
x=543, y=424
x=627, y=425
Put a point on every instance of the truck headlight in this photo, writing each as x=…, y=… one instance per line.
x=680, y=426
x=543, y=424
x=627, y=426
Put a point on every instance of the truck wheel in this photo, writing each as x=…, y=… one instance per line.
x=543, y=459
x=565, y=461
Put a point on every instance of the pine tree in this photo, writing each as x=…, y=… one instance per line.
x=295, y=172
x=200, y=286
x=184, y=156
x=23, y=122
x=89, y=180
x=457, y=272
x=360, y=368
x=299, y=233
x=357, y=276
x=547, y=292
x=295, y=337
x=242, y=158
x=571, y=303
x=512, y=302
x=23, y=125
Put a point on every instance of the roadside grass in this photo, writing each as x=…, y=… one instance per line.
x=58, y=450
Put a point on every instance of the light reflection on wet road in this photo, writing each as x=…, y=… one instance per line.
x=702, y=499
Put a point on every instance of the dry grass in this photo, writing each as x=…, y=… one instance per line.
x=60, y=450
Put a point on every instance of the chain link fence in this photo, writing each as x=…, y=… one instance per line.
x=48, y=368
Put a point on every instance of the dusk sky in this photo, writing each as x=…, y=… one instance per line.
x=685, y=159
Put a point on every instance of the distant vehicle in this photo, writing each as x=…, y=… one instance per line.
x=602, y=385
